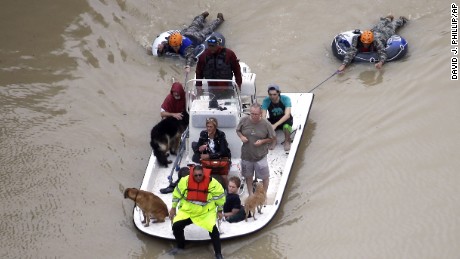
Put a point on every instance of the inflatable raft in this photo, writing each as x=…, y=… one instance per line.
x=396, y=47
x=198, y=49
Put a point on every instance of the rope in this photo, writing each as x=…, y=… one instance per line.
x=335, y=73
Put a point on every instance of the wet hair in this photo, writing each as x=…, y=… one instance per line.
x=236, y=180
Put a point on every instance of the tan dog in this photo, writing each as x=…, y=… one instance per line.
x=256, y=200
x=150, y=204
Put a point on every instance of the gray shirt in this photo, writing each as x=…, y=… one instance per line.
x=253, y=132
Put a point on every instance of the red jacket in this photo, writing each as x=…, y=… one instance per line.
x=230, y=59
x=170, y=104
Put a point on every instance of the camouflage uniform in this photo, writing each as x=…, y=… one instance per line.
x=197, y=31
x=382, y=32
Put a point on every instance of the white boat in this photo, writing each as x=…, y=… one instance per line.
x=228, y=114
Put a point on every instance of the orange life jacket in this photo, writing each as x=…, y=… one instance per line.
x=198, y=191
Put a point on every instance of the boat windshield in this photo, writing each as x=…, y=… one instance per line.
x=212, y=90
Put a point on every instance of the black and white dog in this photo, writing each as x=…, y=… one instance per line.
x=165, y=136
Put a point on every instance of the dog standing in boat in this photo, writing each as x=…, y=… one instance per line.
x=256, y=200
x=165, y=136
x=151, y=205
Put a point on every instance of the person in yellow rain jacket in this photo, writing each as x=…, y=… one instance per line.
x=198, y=196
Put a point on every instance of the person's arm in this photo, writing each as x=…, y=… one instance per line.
x=161, y=48
x=189, y=57
x=270, y=137
x=264, y=113
x=218, y=196
x=200, y=68
x=382, y=54
x=202, y=140
x=223, y=148
x=231, y=213
x=350, y=55
x=240, y=134
x=235, y=64
x=286, y=116
x=165, y=114
x=175, y=199
x=263, y=141
x=264, y=107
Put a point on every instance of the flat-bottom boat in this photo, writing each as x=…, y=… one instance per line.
x=228, y=111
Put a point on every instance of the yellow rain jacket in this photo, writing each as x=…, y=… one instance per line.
x=202, y=214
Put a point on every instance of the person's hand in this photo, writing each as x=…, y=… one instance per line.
x=274, y=126
x=187, y=69
x=259, y=142
x=341, y=68
x=244, y=139
x=204, y=156
x=379, y=65
x=178, y=116
x=202, y=148
x=172, y=213
x=220, y=215
x=160, y=49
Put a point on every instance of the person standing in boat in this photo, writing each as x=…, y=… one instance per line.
x=374, y=40
x=185, y=41
x=198, y=197
x=174, y=103
x=279, y=111
x=218, y=62
x=256, y=133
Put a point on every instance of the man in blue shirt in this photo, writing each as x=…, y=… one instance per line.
x=279, y=111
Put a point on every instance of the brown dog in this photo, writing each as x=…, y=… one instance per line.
x=150, y=204
x=256, y=200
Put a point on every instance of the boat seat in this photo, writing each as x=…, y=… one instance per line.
x=227, y=124
x=224, y=120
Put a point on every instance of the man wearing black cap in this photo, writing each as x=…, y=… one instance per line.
x=218, y=62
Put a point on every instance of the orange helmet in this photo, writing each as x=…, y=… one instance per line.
x=367, y=37
x=175, y=39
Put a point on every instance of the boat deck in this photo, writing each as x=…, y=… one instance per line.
x=280, y=164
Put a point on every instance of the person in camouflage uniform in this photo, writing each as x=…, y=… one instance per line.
x=197, y=31
x=185, y=41
x=374, y=40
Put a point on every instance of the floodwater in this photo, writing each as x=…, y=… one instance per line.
x=377, y=171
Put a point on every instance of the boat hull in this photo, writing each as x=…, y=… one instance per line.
x=280, y=165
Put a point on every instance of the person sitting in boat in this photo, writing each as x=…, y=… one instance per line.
x=198, y=196
x=185, y=41
x=233, y=210
x=279, y=111
x=174, y=103
x=256, y=133
x=218, y=62
x=212, y=145
x=374, y=40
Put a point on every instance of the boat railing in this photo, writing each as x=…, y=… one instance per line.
x=211, y=92
x=180, y=154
